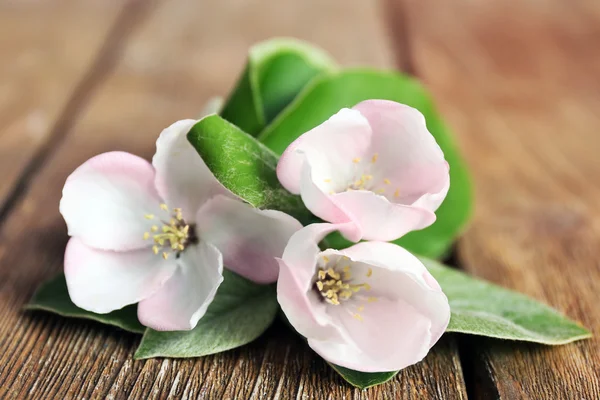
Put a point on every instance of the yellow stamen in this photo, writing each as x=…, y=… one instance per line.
x=380, y=191
x=333, y=274
x=172, y=236
x=386, y=181
x=326, y=259
x=371, y=299
x=149, y=216
x=369, y=272
x=375, y=157
x=356, y=160
x=334, y=288
x=397, y=193
x=360, y=308
x=357, y=316
x=164, y=207
x=326, y=180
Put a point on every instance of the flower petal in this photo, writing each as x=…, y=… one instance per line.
x=404, y=314
x=330, y=146
x=184, y=298
x=390, y=335
x=249, y=238
x=103, y=281
x=302, y=306
x=104, y=201
x=399, y=275
x=324, y=206
x=182, y=178
x=379, y=219
x=408, y=157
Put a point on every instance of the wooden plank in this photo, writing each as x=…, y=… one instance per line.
x=47, y=51
x=182, y=54
x=519, y=83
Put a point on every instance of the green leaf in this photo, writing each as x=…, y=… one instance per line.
x=240, y=312
x=329, y=93
x=53, y=296
x=484, y=309
x=244, y=166
x=363, y=380
x=276, y=72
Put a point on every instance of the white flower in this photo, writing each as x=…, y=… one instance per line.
x=372, y=307
x=159, y=234
x=375, y=165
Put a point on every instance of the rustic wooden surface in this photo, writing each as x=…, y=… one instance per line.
x=519, y=85
x=159, y=62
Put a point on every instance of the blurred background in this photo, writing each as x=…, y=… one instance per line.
x=517, y=81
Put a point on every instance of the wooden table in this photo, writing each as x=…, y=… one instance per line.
x=519, y=82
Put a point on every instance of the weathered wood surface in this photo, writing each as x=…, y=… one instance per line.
x=520, y=84
x=47, y=51
x=160, y=63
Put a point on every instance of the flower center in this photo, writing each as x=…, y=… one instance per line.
x=363, y=179
x=336, y=284
x=171, y=236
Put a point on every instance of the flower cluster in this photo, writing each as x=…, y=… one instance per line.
x=159, y=235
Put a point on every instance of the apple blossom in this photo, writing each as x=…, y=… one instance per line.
x=372, y=307
x=159, y=234
x=376, y=165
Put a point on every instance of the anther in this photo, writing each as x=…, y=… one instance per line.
x=356, y=160
x=375, y=157
x=357, y=316
x=386, y=181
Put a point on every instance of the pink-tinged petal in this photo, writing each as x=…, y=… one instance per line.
x=302, y=251
x=389, y=336
x=397, y=274
x=104, y=201
x=324, y=207
x=409, y=160
x=182, y=177
x=103, y=281
x=379, y=219
x=249, y=239
x=184, y=298
x=331, y=146
x=302, y=307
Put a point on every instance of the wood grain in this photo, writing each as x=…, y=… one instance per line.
x=175, y=57
x=48, y=54
x=519, y=82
